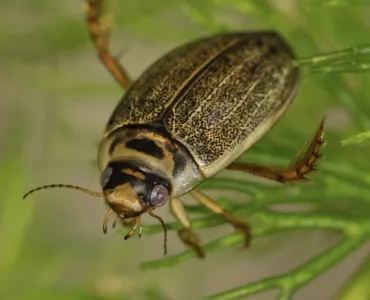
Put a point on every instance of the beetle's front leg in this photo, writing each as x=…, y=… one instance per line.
x=99, y=25
x=186, y=234
x=217, y=209
x=303, y=163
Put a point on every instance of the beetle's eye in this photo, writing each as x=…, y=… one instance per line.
x=159, y=195
x=105, y=176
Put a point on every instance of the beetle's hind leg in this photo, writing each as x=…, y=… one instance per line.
x=186, y=234
x=99, y=25
x=303, y=163
x=217, y=209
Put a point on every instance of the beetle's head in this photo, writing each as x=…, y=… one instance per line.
x=131, y=192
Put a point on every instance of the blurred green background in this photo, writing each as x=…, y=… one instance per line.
x=56, y=99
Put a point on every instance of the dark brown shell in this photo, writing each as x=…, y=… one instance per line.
x=217, y=96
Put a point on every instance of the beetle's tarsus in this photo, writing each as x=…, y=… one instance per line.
x=190, y=238
x=303, y=164
x=246, y=230
x=186, y=234
x=248, y=238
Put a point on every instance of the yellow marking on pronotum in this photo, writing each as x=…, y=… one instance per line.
x=133, y=173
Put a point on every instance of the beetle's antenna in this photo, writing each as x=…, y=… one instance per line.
x=163, y=227
x=106, y=220
x=68, y=186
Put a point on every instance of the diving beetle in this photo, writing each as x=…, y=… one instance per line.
x=189, y=116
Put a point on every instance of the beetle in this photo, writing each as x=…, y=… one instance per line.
x=189, y=116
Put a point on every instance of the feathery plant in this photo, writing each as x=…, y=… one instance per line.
x=329, y=38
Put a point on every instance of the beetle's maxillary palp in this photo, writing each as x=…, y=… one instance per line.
x=106, y=220
x=140, y=231
x=133, y=229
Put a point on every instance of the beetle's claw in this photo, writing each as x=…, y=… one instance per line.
x=190, y=238
x=247, y=232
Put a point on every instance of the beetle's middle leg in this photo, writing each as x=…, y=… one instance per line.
x=186, y=234
x=217, y=209
x=99, y=24
x=301, y=165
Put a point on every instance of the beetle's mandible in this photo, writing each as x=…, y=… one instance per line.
x=189, y=116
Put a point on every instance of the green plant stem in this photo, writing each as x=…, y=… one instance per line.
x=285, y=221
x=224, y=242
x=223, y=183
x=196, y=223
x=355, y=68
x=337, y=2
x=356, y=139
x=270, y=223
x=204, y=19
x=342, y=56
x=357, y=286
x=290, y=282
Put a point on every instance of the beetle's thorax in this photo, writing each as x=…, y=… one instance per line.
x=153, y=151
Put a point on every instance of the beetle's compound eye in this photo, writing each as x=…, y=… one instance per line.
x=105, y=176
x=159, y=195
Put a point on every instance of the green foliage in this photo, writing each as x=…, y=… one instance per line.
x=337, y=2
x=353, y=59
x=356, y=139
x=53, y=87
